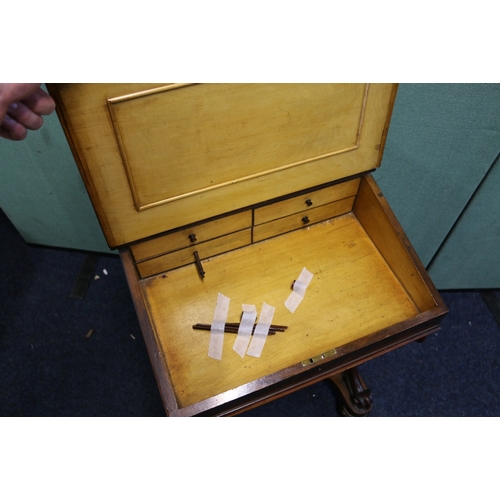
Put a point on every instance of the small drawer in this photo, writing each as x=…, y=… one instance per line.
x=302, y=219
x=305, y=201
x=185, y=256
x=191, y=236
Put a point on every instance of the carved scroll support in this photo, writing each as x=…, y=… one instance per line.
x=355, y=396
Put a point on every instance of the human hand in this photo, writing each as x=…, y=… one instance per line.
x=21, y=108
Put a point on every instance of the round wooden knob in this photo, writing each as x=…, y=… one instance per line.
x=305, y=219
x=192, y=238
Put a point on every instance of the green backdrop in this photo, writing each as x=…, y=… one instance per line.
x=440, y=174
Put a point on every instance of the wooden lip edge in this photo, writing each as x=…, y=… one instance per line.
x=349, y=355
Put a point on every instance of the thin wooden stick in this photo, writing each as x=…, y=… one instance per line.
x=233, y=328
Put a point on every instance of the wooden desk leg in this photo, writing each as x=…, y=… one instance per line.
x=356, y=397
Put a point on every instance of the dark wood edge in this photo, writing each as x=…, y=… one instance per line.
x=154, y=351
x=296, y=377
x=387, y=122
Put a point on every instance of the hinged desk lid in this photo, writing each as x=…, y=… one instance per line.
x=156, y=157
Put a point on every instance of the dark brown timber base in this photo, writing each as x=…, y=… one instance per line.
x=355, y=396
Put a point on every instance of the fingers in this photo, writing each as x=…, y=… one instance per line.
x=26, y=105
x=14, y=92
x=19, y=119
x=25, y=116
x=40, y=102
x=11, y=129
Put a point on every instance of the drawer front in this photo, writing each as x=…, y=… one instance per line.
x=185, y=256
x=191, y=236
x=303, y=202
x=302, y=219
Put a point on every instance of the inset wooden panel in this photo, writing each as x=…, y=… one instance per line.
x=179, y=140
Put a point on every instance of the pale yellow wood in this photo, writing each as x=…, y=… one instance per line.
x=202, y=232
x=353, y=293
x=304, y=201
x=201, y=137
x=185, y=256
x=295, y=221
x=204, y=150
x=368, y=209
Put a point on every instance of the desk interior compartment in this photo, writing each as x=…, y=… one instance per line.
x=368, y=286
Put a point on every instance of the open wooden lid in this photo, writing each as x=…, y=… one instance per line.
x=157, y=157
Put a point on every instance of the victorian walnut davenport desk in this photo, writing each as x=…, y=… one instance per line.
x=228, y=200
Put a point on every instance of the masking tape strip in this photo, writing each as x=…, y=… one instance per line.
x=299, y=290
x=217, y=328
x=245, y=329
x=259, y=336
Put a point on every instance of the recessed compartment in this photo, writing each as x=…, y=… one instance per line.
x=367, y=285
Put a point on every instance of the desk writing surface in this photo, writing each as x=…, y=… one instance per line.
x=353, y=293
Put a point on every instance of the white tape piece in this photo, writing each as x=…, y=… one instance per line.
x=217, y=328
x=259, y=336
x=299, y=290
x=245, y=329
